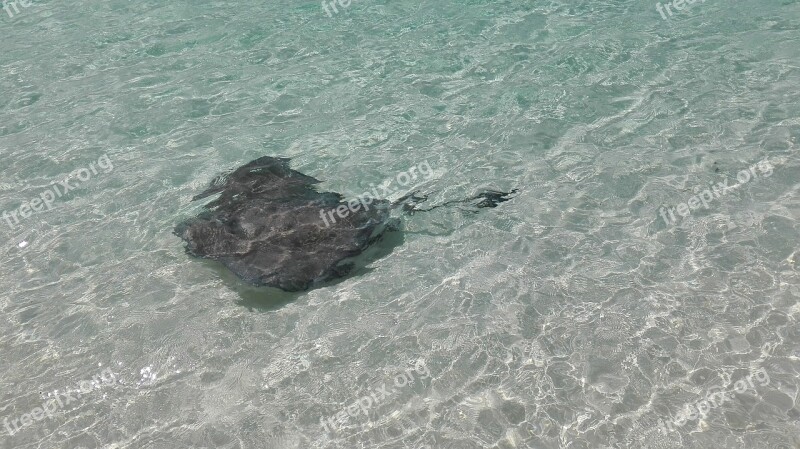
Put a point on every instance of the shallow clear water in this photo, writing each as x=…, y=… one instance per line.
x=572, y=316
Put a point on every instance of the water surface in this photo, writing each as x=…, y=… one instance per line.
x=573, y=316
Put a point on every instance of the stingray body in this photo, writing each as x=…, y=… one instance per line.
x=266, y=226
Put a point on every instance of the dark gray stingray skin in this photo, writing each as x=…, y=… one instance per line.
x=266, y=227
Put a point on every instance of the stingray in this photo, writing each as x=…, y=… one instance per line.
x=271, y=227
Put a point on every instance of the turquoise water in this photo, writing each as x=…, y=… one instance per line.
x=573, y=316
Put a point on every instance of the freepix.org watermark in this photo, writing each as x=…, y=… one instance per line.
x=9, y=5
x=342, y=3
x=680, y=5
x=366, y=198
x=55, y=403
x=365, y=403
x=721, y=188
x=713, y=400
x=46, y=198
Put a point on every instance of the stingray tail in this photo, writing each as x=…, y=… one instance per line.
x=489, y=198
